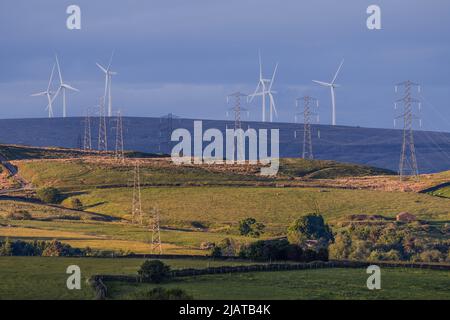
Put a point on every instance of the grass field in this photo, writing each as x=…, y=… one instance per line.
x=442, y=192
x=76, y=174
x=45, y=278
x=273, y=206
x=304, y=284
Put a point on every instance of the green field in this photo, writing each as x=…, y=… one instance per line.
x=304, y=284
x=277, y=207
x=80, y=174
x=44, y=278
x=442, y=192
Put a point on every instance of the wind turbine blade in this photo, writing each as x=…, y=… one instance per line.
x=325, y=84
x=51, y=78
x=260, y=65
x=70, y=87
x=101, y=67
x=273, y=77
x=43, y=93
x=255, y=93
x=59, y=69
x=110, y=60
x=337, y=72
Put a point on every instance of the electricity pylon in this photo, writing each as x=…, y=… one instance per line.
x=119, y=154
x=308, y=104
x=408, y=160
x=102, y=130
x=87, y=142
x=237, y=108
x=166, y=126
x=136, y=208
x=156, y=234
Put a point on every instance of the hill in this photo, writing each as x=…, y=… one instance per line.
x=374, y=147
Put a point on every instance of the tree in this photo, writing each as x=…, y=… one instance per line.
x=310, y=227
x=76, y=204
x=216, y=252
x=6, y=248
x=249, y=227
x=154, y=271
x=49, y=195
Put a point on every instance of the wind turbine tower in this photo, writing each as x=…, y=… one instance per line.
x=332, y=85
x=63, y=87
x=108, y=81
x=264, y=89
x=48, y=93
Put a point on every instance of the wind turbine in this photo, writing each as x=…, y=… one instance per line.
x=48, y=93
x=108, y=79
x=332, y=85
x=263, y=89
x=63, y=87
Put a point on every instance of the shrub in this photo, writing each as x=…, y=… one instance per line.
x=310, y=227
x=154, y=271
x=272, y=250
x=228, y=247
x=19, y=215
x=249, y=227
x=6, y=248
x=76, y=204
x=216, y=252
x=49, y=195
x=431, y=256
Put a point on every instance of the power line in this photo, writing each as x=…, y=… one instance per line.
x=408, y=160
x=307, y=114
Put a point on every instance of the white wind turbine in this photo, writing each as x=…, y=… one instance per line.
x=263, y=89
x=332, y=85
x=48, y=93
x=108, y=79
x=63, y=87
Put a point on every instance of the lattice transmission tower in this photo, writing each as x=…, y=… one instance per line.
x=166, y=127
x=102, y=129
x=87, y=141
x=308, y=104
x=237, y=108
x=408, y=160
x=136, y=207
x=155, y=229
x=119, y=153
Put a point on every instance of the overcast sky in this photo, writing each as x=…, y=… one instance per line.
x=185, y=56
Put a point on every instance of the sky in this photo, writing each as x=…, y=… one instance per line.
x=185, y=56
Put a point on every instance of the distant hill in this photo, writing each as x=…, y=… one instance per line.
x=373, y=147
